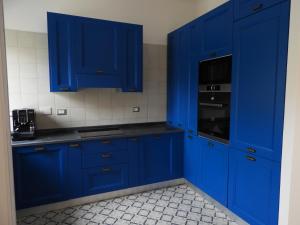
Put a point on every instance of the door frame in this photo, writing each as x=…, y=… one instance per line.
x=7, y=199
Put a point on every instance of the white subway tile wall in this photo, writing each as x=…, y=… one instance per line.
x=28, y=81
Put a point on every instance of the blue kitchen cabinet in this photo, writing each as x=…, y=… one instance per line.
x=161, y=158
x=105, y=178
x=212, y=33
x=40, y=175
x=214, y=169
x=259, y=75
x=178, y=77
x=134, y=146
x=93, y=53
x=59, y=37
x=192, y=159
x=243, y=8
x=254, y=188
x=74, y=167
x=172, y=81
x=133, y=79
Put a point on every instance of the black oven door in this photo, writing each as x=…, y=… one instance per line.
x=214, y=115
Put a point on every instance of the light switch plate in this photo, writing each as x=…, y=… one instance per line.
x=136, y=109
x=61, y=112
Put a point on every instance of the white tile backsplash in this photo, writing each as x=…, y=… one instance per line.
x=28, y=77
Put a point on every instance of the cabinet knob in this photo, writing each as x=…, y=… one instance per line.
x=106, y=155
x=251, y=158
x=210, y=144
x=106, y=142
x=133, y=139
x=257, y=7
x=74, y=145
x=190, y=131
x=40, y=148
x=252, y=150
x=63, y=89
x=189, y=137
x=213, y=54
x=157, y=136
x=106, y=170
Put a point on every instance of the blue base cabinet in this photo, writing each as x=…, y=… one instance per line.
x=192, y=159
x=254, y=188
x=93, y=53
x=161, y=158
x=52, y=173
x=40, y=175
x=214, y=170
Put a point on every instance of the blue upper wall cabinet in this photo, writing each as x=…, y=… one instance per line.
x=259, y=73
x=254, y=188
x=243, y=8
x=92, y=53
x=40, y=175
x=212, y=33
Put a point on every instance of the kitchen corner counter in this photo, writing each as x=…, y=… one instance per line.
x=63, y=135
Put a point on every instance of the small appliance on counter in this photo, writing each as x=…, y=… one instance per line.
x=23, y=124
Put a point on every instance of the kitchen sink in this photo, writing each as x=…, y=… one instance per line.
x=97, y=132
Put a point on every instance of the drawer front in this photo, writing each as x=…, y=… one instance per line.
x=105, y=178
x=100, y=158
x=90, y=147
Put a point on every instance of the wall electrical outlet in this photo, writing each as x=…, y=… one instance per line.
x=61, y=112
x=135, y=109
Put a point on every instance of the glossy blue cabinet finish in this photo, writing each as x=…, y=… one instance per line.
x=214, y=169
x=254, y=188
x=105, y=178
x=39, y=174
x=192, y=159
x=74, y=168
x=243, y=8
x=212, y=33
x=97, y=52
x=161, y=157
x=259, y=73
x=93, y=53
x=59, y=37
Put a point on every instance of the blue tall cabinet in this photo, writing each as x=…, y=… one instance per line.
x=93, y=53
x=243, y=174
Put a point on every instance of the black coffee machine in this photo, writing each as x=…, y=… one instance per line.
x=23, y=124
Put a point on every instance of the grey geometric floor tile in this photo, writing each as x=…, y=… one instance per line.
x=178, y=205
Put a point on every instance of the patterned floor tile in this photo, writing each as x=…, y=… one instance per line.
x=178, y=205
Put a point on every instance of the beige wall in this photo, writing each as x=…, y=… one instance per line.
x=290, y=171
x=7, y=207
x=158, y=16
x=203, y=6
x=28, y=79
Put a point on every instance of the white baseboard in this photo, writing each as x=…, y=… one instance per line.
x=98, y=197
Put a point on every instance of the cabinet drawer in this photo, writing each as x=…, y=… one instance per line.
x=100, y=158
x=105, y=178
x=107, y=145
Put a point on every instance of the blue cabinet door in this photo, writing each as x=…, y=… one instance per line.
x=74, y=171
x=212, y=33
x=59, y=37
x=259, y=74
x=216, y=31
x=192, y=160
x=98, y=50
x=243, y=8
x=160, y=158
x=254, y=188
x=40, y=175
x=133, y=78
x=214, y=169
x=172, y=81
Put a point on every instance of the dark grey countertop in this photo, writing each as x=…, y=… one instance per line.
x=63, y=135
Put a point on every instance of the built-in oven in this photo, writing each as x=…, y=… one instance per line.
x=214, y=98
